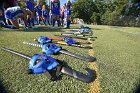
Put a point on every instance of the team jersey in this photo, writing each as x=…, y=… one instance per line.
x=68, y=5
x=30, y=5
x=67, y=12
x=13, y=12
x=45, y=13
x=38, y=10
x=55, y=7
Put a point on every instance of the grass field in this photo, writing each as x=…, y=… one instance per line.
x=117, y=53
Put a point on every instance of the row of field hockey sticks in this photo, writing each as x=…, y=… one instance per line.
x=62, y=41
x=83, y=32
x=41, y=63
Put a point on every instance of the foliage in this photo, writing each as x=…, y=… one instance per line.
x=108, y=12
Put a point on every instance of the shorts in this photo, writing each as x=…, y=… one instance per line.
x=55, y=12
x=39, y=13
x=67, y=12
x=30, y=10
x=13, y=16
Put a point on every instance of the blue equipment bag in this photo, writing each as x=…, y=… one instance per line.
x=70, y=41
x=44, y=40
x=85, y=30
x=42, y=63
x=50, y=49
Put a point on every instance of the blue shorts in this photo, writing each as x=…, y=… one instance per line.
x=46, y=16
x=39, y=13
x=55, y=12
x=13, y=16
x=67, y=12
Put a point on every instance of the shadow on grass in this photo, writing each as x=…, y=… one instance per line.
x=137, y=89
x=40, y=29
x=2, y=88
x=73, y=72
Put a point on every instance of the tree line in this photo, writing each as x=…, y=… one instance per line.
x=108, y=12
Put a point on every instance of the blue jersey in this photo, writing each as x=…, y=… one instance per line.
x=38, y=10
x=30, y=5
x=45, y=13
x=67, y=12
x=13, y=12
x=55, y=7
x=68, y=5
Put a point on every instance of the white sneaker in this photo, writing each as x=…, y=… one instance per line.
x=26, y=28
x=20, y=25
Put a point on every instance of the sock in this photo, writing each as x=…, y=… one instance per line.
x=32, y=20
x=58, y=23
x=44, y=21
x=69, y=23
x=29, y=22
x=48, y=22
x=53, y=22
x=38, y=21
x=8, y=26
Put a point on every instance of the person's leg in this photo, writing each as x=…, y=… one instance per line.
x=68, y=21
x=29, y=20
x=7, y=26
x=38, y=18
x=44, y=20
x=58, y=20
x=14, y=23
x=2, y=18
x=53, y=20
x=32, y=19
x=62, y=21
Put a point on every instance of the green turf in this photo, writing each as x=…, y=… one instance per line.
x=13, y=69
x=117, y=53
x=118, y=57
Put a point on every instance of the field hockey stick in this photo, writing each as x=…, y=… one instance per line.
x=63, y=41
x=53, y=49
x=78, y=37
x=45, y=39
x=77, y=34
x=40, y=63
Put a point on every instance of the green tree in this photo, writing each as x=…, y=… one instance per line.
x=83, y=9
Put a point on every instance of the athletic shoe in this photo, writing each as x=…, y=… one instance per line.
x=26, y=28
x=20, y=25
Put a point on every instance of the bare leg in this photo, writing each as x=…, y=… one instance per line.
x=14, y=23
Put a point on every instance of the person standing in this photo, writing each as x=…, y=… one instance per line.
x=55, y=11
x=30, y=8
x=67, y=14
x=62, y=14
